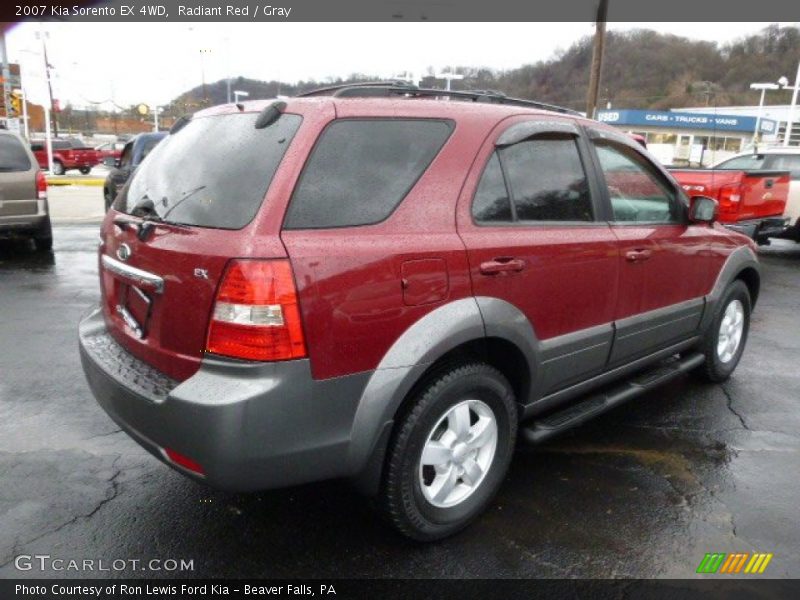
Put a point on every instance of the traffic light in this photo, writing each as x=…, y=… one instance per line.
x=15, y=108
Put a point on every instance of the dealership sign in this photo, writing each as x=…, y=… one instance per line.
x=684, y=120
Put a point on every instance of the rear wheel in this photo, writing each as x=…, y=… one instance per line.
x=58, y=167
x=85, y=170
x=727, y=335
x=450, y=452
x=44, y=238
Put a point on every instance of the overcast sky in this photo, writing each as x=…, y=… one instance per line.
x=154, y=62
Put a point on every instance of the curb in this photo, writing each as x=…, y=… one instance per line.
x=75, y=181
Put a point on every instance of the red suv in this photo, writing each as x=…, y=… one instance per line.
x=374, y=283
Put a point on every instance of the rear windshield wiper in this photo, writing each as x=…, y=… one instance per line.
x=146, y=211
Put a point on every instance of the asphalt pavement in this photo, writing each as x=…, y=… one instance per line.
x=644, y=491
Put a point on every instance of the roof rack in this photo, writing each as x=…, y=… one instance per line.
x=407, y=90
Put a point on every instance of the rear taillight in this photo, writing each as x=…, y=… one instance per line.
x=256, y=314
x=729, y=198
x=41, y=186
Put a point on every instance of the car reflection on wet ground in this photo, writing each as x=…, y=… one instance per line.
x=644, y=491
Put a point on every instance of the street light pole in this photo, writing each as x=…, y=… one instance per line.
x=763, y=87
x=448, y=77
x=796, y=87
x=237, y=93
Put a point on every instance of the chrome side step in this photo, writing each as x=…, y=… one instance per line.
x=554, y=423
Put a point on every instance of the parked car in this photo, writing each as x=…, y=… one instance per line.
x=133, y=153
x=23, y=194
x=67, y=154
x=752, y=201
x=109, y=150
x=393, y=288
x=776, y=159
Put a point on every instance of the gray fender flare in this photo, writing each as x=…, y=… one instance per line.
x=738, y=260
x=422, y=344
x=415, y=350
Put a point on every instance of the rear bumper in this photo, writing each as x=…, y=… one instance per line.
x=761, y=228
x=250, y=426
x=11, y=226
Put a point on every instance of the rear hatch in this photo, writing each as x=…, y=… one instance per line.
x=188, y=210
x=18, y=196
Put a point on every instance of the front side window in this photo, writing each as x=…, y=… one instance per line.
x=360, y=171
x=636, y=191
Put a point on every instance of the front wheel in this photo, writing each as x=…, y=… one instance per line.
x=726, y=337
x=85, y=170
x=450, y=452
x=58, y=167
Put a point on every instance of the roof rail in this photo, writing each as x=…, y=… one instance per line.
x=407, y=90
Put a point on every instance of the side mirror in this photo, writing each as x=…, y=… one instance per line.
x=702, y=209
x=110, y=161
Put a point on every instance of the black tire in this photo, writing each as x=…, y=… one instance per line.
x=401, y=496
x=107, y=197
x=85, y=170
x=58, y=168
x=44, y=238
x=714, y=369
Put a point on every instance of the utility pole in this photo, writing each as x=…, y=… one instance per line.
x=597, y=58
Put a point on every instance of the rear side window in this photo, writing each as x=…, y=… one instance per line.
x=13, y=156
x=750, y=162
x=539, y=179
x=360, y=171
x=547, y=180
x=214, y=172
x=491, y=200
x=787, y=162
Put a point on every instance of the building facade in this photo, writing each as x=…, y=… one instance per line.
x=692, y=138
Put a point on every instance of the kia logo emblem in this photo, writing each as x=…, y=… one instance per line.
x=124, y=252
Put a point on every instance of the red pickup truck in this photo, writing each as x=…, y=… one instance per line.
x=752, y=202
x=67, y=154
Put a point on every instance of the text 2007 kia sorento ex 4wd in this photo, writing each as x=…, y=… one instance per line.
x=374, y=283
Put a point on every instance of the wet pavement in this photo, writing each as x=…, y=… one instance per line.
x=644, y=491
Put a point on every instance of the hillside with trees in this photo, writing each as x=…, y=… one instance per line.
x=642, y=69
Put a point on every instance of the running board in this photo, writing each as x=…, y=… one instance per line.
x=548, y=426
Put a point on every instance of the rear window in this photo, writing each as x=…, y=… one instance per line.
x=214, y=172
x=13, y=156
x=360, y=170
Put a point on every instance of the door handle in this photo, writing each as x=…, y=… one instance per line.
x=502, y=265
x=638, y=255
